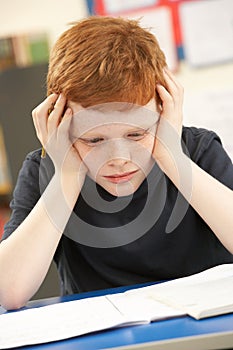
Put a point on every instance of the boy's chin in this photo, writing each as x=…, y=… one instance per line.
x=122, y=190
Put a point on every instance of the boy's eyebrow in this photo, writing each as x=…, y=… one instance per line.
x=87, y=120
x=101, y=135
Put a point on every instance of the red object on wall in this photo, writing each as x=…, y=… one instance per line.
x=4, y=216
x=100, y=9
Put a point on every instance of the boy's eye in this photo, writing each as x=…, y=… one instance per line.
x=137, y=135
x=93, y=141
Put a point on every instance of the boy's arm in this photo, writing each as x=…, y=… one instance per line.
x=25, y=256
x=212, y=200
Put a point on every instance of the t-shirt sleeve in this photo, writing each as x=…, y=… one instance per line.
x=207, y=151
x=217, y=162
x=26, y=193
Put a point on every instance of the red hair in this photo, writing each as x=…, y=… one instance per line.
x=106, y=59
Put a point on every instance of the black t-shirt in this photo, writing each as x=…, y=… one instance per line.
x=111, y=241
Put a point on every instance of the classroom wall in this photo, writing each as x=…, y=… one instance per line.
x=208, y=99
x=20, y=16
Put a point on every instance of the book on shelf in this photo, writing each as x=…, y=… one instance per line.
x=24, y=50
x=7, y=55
x=38, y=47
x=204, y=294
x=5, y=178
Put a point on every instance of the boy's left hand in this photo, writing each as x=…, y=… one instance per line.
x=169, y=130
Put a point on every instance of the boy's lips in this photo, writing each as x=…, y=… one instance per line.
x=117, y=178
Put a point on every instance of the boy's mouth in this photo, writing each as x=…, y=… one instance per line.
x=119, y=178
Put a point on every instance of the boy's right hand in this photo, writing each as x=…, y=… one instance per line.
x=52, y=123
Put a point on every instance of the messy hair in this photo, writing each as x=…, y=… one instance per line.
x=106, y=59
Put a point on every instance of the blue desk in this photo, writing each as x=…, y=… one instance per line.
x=178, y=333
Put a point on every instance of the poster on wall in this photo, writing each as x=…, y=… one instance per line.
x=161, y=17
x=207, y=28
x=112, y=7
x=144, y=8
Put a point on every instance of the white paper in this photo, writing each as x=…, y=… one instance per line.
x=207, y=31
x=140, y=304
x=58, y=321
x=70, y=319
x=204, y=294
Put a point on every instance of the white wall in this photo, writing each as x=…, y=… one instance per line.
x=52, y=16
x=208, y=99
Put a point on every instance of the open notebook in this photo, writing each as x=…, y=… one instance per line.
x=201, y=295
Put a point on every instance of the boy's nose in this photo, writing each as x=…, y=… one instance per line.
x=119, y=162
x=118, y=152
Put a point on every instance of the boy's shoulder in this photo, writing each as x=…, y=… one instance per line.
x=34, y=155
x=198, y=140
x=195, y=134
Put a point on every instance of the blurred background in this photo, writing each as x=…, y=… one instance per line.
x=195, y=35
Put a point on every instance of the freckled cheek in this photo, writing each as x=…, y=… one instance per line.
x=148, y=143
x=81, y=148
x=89, y=156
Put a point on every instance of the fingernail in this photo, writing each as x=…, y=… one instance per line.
x=54, y=95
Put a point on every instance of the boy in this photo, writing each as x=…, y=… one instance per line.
x=125, y=195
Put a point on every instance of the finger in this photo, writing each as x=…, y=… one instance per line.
x=171, y=83
x=167, y=100
x=171, y=110
x=40, y=116
x=42, y=109
x=56, y=114
x=64, y=126
x=35, y=122
x=174, y=87
x=172, y=77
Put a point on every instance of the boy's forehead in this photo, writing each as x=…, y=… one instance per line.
x=99, y=116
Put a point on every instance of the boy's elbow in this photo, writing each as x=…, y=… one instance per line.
x=12, y=301
x=12, y=305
